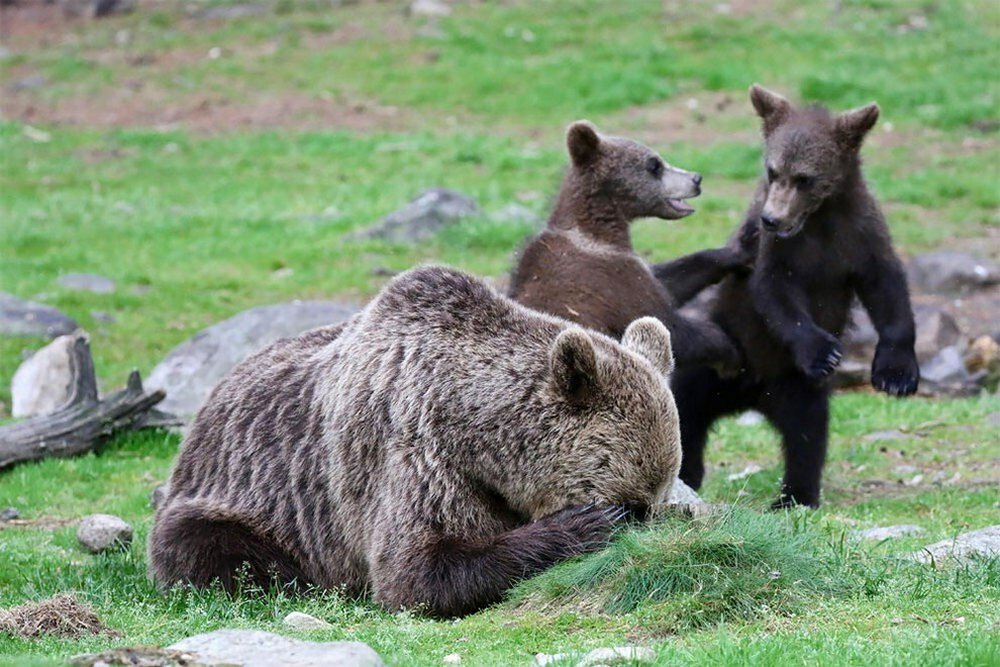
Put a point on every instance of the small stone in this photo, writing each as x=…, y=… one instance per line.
x=618, y=655
x=103, y=532
x=880, y=436
x=255, y=648
x=87, y=282
x=945, y=369
x=750, y=418
x=432, y=8
x=43, y=383
x=890, y=532
x=301, y=621
x=982, y=542
x=452, y=659
x=750, y=469
x=102, y=316
x=682, y=500
x=905, y=470
x=9, y=514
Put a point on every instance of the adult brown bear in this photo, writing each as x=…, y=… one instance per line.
x=440, y=446
x=820, y=240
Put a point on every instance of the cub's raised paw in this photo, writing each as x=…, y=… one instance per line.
x=895, y=373
x=823, y=360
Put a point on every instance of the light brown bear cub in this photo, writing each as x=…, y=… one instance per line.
x=440, y=446
x=583, y=266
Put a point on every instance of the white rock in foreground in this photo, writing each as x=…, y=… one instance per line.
x=889, y=532
x=255, y=648
x=102, y=532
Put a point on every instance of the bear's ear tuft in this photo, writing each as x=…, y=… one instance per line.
x=648, y=337
x=770, y=106
x=853, y=125
x=574, y=366
x=583, y=142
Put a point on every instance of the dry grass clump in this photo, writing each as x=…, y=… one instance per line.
x=62, y=616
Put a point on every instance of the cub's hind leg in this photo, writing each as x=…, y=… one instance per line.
x=197, y=544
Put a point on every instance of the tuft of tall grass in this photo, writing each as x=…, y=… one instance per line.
x=733, y=565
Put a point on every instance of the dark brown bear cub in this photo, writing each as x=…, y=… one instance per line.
x=440, y=446
x=820, y=240
x=583, y=267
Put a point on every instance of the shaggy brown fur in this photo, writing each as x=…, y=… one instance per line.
x=820, y=241
x=583, y=267
x=434, y=450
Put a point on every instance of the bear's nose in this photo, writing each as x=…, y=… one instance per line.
x=696, y=178
x=769, y=223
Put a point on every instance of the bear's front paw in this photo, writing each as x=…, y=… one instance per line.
x=589, y=527
x=820, y=361
x=895, y=372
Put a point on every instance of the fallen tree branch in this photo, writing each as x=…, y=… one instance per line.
x=84, y=421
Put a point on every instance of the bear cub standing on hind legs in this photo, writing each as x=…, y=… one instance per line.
x=583, y=267
x=434, y=450
x=820, y=240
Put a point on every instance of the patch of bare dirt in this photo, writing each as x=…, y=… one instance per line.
x=702, y=118
x=62, y=616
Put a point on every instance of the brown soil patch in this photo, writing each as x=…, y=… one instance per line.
x=703, y=118
x=137, y=656
x=62, y=616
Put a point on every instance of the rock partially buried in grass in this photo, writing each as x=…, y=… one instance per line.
x=984, y=542
x=254, y=648
x=103, y=532
x=880, y=533
x=683, y=501
x=27, y=318
x=617, y=655
x=300, y=621
x=430, y=212
x=87, y=282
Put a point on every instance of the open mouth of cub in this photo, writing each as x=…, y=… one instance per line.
x=680, y=207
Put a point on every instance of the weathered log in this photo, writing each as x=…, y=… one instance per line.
x=84, y=422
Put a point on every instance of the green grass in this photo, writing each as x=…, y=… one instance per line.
x=198, y=223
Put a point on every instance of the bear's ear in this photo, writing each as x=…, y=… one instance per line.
x=574, y=366
x=583, y=142
x=649, y=338
x=853, y=125
x=770, y=106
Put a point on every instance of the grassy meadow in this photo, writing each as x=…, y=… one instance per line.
x=208, y=166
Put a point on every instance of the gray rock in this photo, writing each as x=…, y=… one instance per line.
x=433, y=8
x=300, y=621
x=682, y=500
x=946, y=373
x=881, y=436
x=9, y=514
x=517, y=214
x=30, y=82
x=982, y=542
x=194, y=367
x=254, y=648
x=103, y=532
x=936, y=330
x=615, y=655
x=750, y=418
x=87, y=282
x=950, y=272
x=889, y=532
x=42, y=383
x=230, y=12
x=26, y=318
x=423, y=217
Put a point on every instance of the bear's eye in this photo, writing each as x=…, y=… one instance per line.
x=772, y=175
x=654, y=165
x=804, y=182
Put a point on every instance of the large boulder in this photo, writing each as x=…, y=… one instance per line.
x=42, y=384
x=950, y=272
x=255, y=648
x=27, y=318
x=422, y=218
x=193, y=368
